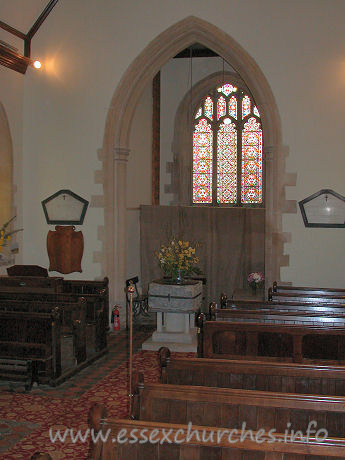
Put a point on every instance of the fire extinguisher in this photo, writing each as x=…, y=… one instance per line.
x=116, y=318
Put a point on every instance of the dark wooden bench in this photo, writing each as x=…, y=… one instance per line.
x=17, y=370
x=228, y=407
x=320, y=309
x=97, y=295
x=313, y=297
x=307, y=290
x=276, y=342
x=57, y=289
x=205, y=445
x=273, y=316
x=199, y=442
x=35, y=337
x=253, y=375
x=72, y=318
x=94, y=311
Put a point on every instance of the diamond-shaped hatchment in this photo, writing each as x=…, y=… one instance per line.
x=325, y=208
x=65, y=208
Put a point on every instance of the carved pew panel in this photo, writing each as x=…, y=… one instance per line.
x=71, y=317
x=279, y=342
x=275, y=316
x=33, y=336
x=94, y=312
x=255, y=375
x=84, y=318
x=198, y=448
x=230, y=408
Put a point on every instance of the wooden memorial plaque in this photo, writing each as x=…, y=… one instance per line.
x=65, y=249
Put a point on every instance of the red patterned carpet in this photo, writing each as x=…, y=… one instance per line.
x=25, y=418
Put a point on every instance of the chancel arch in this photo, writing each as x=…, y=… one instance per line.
x=6, y=160
x=115, y=149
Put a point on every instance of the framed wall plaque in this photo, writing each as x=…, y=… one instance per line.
x=65, y=208
x=325, y=208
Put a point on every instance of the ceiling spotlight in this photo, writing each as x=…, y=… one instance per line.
x=37, y=64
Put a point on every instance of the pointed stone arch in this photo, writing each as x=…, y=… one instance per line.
x=115, y=150
x=6, y=159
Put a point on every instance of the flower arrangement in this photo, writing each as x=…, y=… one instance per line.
x=256, y=280
x=178, y=259
x=5, y=235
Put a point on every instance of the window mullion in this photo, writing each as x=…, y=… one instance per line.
x=214, y=156
x=239, y=148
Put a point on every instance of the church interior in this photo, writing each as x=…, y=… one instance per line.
x=172, y=214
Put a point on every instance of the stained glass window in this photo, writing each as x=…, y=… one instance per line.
x=208, y=108
x=233, y=107
x=202, y=162
x=221, y=107
x=251, y=162
x=227, y=151
x=245, y=106
x=227, y=89
x=227, y=163
x=198, y=113
x=256, y=112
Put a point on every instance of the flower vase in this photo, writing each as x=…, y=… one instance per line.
x=254, y=287
x=179, y=277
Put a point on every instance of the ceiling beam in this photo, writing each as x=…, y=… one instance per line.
x=12, y=30
x=41, y=19
x=14, y=60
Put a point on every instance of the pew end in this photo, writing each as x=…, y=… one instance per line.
x=97, y=415
x=164, y=360
x=137, y=386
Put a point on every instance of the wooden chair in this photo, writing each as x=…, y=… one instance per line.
x=140, y=301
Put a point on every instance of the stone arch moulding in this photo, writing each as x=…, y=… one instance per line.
x=6, y=158
x=115, y=148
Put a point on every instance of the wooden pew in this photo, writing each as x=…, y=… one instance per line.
x=35, y=337
x=270, y=315
x=94, y=314
x=228, y=407
x=306, y=290
x=253, y=375
x=322, y=308
x=205, y=444
x=276, y=342
x=83, y=305
x=307, y=297
x=57, y=289
x=72, y=318
x=99, y=316
x=15, y=369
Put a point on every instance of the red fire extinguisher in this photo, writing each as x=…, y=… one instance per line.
x=116, y=318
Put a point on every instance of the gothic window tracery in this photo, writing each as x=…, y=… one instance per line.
x=227, y=149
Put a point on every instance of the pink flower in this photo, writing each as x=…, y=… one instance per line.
x=255, y=277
